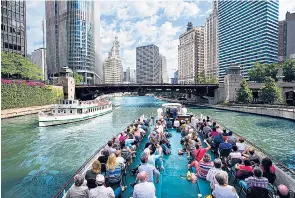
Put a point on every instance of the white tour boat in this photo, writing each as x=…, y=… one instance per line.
x=69, y=111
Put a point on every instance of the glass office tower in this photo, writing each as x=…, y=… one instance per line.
x=13, y=27
x=247, y=33
x=72, y=38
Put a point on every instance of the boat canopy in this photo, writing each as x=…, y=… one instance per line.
x=171, y=105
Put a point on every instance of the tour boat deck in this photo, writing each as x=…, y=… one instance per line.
x=171, y=184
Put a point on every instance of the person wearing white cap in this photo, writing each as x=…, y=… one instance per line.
x=101, y=191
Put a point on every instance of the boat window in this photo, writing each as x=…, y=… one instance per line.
x=70, y=102
x=58, y=111
x=67, y=102
x=53, y=111
x=64, y=111
x=71, y=111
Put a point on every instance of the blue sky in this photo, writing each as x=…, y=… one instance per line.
x=139, y=23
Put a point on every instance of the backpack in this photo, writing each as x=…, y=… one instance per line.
x=126, y=154
x=166, y=150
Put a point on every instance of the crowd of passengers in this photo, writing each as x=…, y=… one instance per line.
x=233, y=159
x=107, y=177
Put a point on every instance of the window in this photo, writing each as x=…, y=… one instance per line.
x=58, y=111
x=53, y=111
x=71, y=111
x=65, y=111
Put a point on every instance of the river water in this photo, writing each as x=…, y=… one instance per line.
x=36, y=162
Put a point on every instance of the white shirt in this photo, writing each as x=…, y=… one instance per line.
x=211, y=176
x=121, y=161
x=176, y=123
x=224, y=192
x=101, y=192
x=144, y=190
x=241, y=146
x=236, y=155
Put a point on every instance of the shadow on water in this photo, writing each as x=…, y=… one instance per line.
x=269, y=124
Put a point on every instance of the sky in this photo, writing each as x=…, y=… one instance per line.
x=137, y=23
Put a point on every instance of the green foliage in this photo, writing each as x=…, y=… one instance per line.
x=16, y=66
x=271, y=70
x=289, y=70
x=78, y=78
x=244, y=94
x=22, y=95
x=270, y=92
x=226, y=103
x=258, y=73
x=203, y=80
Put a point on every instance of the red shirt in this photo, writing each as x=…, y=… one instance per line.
x=199, y=154
x=246, y=168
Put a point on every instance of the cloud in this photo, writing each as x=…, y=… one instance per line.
x=175, y=10
x=284, y=6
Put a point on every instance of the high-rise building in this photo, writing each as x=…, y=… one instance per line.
x=282, y=40
x=191, y=55
x=128, y=74
x=175, y=78
x=148, y=65
x=38, y=57
x=113, y=68
x=211, y=43
x=165, y=78
x=13, y=27
x=73, y=40
x=290, y=46
x=132, y=76
x=247, y=33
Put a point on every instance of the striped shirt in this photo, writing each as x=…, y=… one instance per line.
x=114, y=175
x=204, y=167
x=260, y=182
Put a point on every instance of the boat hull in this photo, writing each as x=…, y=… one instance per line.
x=45, y=121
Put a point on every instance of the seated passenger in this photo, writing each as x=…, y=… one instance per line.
x=101, y=190
x=137, y=135
x=126, y=153
x=246, y=167
x=225, y=145
x=200, y=152
x=283, y=191
x=120, y=159
x=104, y=157
x=268, y=170
x=234, y=157
x=255, y=181
x=91, y=174
x=213, y=171
x=144, y=189
x=202, y=167
x=241, y=145
x=176, y=123
x=224, y=133
x=110, y=148
x=206, y=130
x=222, y=189
x=78, y=190
x=114, y=171
x=231, y=139
x=250, y=154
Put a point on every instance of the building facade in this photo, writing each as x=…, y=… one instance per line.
x=13, y=27
x=175, y=78
x=247, y=33
x=282, y=40
x=73, y=40
x=132, y=76
x=191, y=55
x=290, y=45
x=112, y=67
x=38, y=57
x=165, y=78
x=211, y=43
x=148, y=65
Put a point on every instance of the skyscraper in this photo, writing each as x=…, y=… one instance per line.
x=112, y=67
x=191, y=55
x=290, y=46
x=73, y=39
x=13, y=27
x=247, y=33
x=165, y=78
x=38, y=57
x=148, y=65
x=211, y=44
x=282, y=40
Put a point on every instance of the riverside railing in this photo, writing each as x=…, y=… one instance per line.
x=62, y=191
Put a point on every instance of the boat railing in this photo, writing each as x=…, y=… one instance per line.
x=63, y=190
x=276, y=162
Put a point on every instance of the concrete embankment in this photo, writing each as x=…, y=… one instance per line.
x=278, y=112
x=9, y=113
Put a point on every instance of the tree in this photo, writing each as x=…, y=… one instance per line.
x=244, y=94
x=78, y=78
x=258, y=73
x=289, y=70
x=270, y=92
x=214, y=80
x=271, y=70
x=16, y=66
